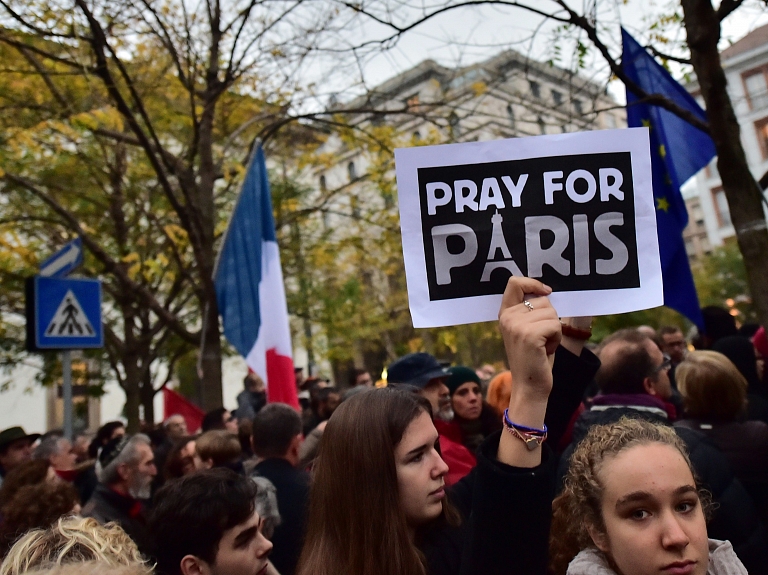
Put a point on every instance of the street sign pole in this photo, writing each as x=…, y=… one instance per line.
x=66, y=364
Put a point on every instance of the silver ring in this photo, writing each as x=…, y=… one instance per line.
x=528, y=304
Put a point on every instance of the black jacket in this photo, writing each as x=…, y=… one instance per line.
x=735, y=517
x=506, y=514
x=506, y=511
x=292, y=487
x=106, y=505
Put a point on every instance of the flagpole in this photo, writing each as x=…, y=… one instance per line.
x=204, y=328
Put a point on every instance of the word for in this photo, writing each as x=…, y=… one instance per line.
x=464, y=193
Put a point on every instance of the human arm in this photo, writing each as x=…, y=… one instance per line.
x=531, y=337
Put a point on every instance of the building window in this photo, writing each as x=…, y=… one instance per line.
x=323, y=184
x=511, y=115
x=711, y=169
x=756, y=89
x=351, y=171
x=761, y=127
x=542, y=125
x=557, y=97
x=577, y=107
x=412, y=103
x=721, y=207
x=453, y=124
x=535, y=89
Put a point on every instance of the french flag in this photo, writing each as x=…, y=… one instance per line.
x=249, y=287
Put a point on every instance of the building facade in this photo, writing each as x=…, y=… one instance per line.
x=746, y=68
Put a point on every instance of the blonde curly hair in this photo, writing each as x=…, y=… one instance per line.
x=579, y=505
x=72, y=540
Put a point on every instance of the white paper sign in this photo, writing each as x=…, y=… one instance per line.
x=573, y=210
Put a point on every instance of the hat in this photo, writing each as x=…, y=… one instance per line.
x=760, y=341
x=8, y=436
x=112, y=449
x=459, y=376
x=416, y=369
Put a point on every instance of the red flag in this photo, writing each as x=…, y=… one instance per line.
x=176, y=404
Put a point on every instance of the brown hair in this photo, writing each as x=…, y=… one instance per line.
x=499, y=391
x=27, y=473
x=580, y=503
x=356, y=525
x=35, y=506
x=219, y=445
x=175, y=463
x=712, y=386
x=71, y=540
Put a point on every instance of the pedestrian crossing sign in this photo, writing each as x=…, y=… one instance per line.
x=68, y=313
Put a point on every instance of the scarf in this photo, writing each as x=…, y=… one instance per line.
x=722, y=561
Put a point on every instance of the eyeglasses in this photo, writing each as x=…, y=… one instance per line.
x=665, y=365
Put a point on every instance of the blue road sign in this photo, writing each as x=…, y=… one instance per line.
x=64, y=261
x=68, y=313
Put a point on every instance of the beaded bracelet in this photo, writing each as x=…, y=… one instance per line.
x=530, y=436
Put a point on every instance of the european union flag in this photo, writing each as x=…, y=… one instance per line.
x=678, y=151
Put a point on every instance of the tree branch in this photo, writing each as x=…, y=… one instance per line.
x=110, y=265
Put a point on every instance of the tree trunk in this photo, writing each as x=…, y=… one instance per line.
x=148, y=396
x=131, y=387
x=741, y=190
x=211, y=395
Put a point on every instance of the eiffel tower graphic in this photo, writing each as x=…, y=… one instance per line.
x=498, y=243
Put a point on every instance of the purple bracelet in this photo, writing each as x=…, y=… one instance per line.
x=523, y=428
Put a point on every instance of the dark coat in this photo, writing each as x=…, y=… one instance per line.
x=506, y=511
x=745, y=445
x=106, y=505
x=506, y=514
x=735, y=518
x=292, y=487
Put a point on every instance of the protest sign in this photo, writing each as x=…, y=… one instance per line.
x=575, y=211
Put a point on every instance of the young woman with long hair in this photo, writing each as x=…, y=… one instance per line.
x=631, y=506
x=378, y=504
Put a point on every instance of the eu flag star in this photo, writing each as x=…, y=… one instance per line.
x=662, y=204
x=647, y=124
x=662, y=151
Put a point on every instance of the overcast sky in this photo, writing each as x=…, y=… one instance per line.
x=467, y=35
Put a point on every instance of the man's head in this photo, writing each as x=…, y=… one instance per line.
x=277, y=433
x=328, y=399
x=298, y=374
x=15, y=447
x=57, y=451
x=219, y=418
x=631, y=363
x=672, y=343
x=423, y=371
x=175, y=426
x=127, y=465
x=206, y=524
x=217, y=447
x=360, y=377
x=253, y=383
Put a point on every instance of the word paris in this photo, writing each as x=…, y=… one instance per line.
x=571, y=210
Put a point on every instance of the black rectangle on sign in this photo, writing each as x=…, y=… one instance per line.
x=566, y=220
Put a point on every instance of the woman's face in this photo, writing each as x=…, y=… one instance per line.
x=654, y=523
x=420, y=472
x=189, y=458
x=468, y=401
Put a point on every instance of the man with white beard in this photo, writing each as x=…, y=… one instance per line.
x=125, y=467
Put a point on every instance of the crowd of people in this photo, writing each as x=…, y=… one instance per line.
x=638, y=456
